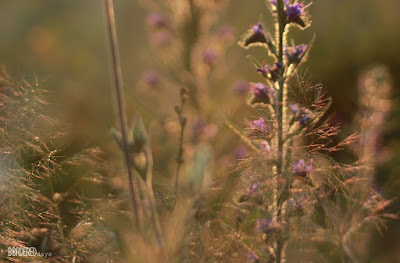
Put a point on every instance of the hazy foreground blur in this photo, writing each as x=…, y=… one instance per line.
x=64, y=43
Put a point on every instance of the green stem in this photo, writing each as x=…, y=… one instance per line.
x=281, y=92
x=150, y=196
x=116, y=66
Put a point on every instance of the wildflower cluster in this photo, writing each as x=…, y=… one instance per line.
x=286, y=197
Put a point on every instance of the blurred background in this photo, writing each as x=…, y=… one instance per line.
x=64, y=44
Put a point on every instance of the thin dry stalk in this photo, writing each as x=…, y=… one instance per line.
x=121, y=113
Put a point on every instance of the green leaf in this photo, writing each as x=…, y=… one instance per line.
x=254, y=61
x=201, y=160
x=117, y=138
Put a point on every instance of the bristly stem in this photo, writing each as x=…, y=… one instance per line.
x=116, y=66
x=281, y=99
x=281, y=20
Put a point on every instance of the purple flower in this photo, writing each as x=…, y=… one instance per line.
x=156, y=20
x=303, y=116
x=298, y=167
x=300, y=114
x=264, y=145
x=271, y=72
x=260, y=130
x=267, y=226
x=256, y=35
x=258, y=124
x=302, y=169
x=253, y=257
x=240, y=152
x=210, y=57
x=304, y=120
x=299, y=204
x=294, y=108
x=262, y=93
x=258, y=29
x=294, y=11
x=259, y=89
x=242, y=87
x=253, y=188
x=151, y=78
x=296, y=53
x=198, y=126
x=203, y=130
x=226, y=33
x=264, y=70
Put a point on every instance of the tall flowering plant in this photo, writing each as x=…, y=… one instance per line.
x=299, y=200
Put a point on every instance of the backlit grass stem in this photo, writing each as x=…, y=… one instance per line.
x=119, y=96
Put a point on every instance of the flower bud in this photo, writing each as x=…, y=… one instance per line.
x=140, y=137
x=151, y=78
x=295, y=54
x=271, y=73
x=256, y=35
x=57, y=198
x=210, y=57
x=156, y=20
x=302, y=169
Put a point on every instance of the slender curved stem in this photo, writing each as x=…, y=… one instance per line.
x=150, y=195
x=182, y=122
x=116, y=66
